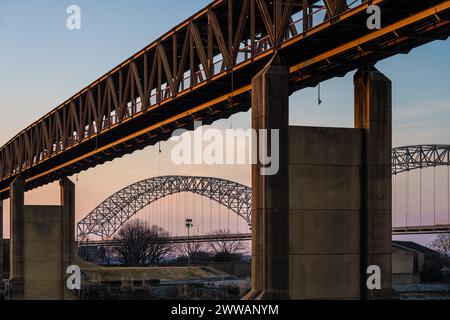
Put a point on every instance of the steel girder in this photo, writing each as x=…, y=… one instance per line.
x=111, y=214
x=405, y=159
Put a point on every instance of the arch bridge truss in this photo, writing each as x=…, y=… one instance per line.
x=110, y=215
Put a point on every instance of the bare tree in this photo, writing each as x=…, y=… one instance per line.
x=139, y=243
x=196, y=251
x=224, y=246
x=442, y=244
x=89, y=253
x=108, y=254
x=188, y=249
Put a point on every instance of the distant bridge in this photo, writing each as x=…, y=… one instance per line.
x=115, y=211
x=406, y=159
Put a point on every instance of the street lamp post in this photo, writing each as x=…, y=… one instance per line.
x=189, y=226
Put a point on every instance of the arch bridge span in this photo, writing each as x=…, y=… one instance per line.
x=105, y=220
x=115, y=211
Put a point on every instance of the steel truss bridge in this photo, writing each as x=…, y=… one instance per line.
x=202, y=69
x=114, y=212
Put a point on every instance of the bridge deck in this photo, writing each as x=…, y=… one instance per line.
x=192, y=239
x=421, y=230
x=202, y=70
x=248, y=237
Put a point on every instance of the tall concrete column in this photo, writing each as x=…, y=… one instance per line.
x=16, y=259
x=67, y=188
x=1, y=243
x=270, y=225
x=373, y=113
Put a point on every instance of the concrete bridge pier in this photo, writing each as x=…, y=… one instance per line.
x=270, y=204
x=373, y=114
x=325, y=217
x=17, y=238
x=42, y=245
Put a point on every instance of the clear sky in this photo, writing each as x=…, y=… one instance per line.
x=42, y=63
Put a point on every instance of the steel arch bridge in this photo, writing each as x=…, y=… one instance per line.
x=405, y=159
x=111, y=214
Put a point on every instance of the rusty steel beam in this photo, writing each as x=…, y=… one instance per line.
x=202, y=69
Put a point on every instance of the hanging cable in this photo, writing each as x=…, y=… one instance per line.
x=203, y=215
x=434, y=193
x=167, y=213
x=158, y=212
x=229, y=226
x=193, y=210
x=420, y=201
x=448, y=193
x=146, y=214
x=220, y=224
x=395, y=200
x=161, y=213
x=237, y=224
x=407, y=198
x=151, y=214
x=172, y=210
x=210, y=215
x=177, y=214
